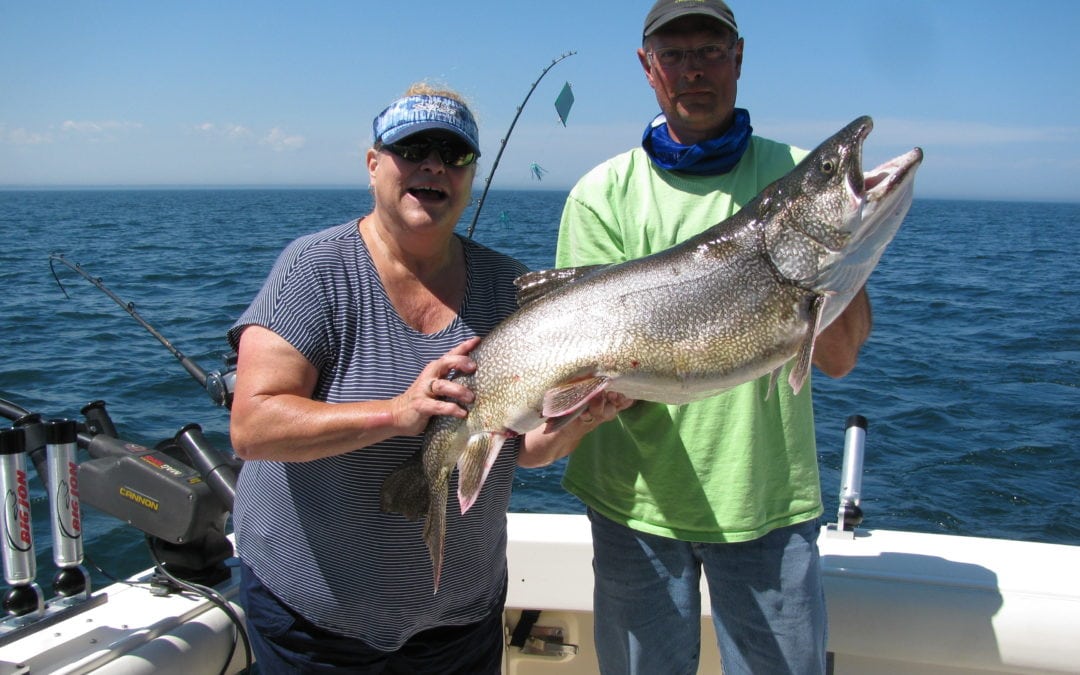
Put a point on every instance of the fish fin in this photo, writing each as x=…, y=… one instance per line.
x=566, y=398
x=534, y=285
x=797, y=376
x=773, y=377
x=474, y=464
x=435, y=525
x=405, y=490
x=556, y=423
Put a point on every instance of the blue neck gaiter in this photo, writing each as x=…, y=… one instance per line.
x=711, y=157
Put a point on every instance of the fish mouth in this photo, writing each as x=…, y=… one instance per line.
x=883, y=180
x=881, y=196
x=886, y=196
x=870, y=188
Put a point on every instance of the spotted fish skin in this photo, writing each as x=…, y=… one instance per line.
x=727, y=306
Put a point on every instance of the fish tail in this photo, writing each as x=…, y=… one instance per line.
x=435, y=526
x=405, y=491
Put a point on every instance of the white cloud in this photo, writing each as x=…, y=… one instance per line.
x=276, y=138
x=280, y=141
x=92, y=131
x=96, y=128
x=20, y=136
x=231, y=131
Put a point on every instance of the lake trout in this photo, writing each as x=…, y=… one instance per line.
x=727, y=306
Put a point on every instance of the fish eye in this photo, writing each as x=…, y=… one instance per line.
x=828, y=165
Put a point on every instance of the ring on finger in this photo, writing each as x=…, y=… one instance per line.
x=431, y=386
x=587, y=418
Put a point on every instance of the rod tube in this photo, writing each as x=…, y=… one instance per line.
x=60, y=451
x=98, y=420
x=850, y=514
x=854, y=447
x=215, y=469
x=20, y=565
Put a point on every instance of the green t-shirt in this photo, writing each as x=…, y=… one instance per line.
x=727, y=468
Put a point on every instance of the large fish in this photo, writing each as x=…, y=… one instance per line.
x=727, y=306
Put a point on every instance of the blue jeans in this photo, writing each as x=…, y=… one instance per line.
x=284, y=643
x=768, y=602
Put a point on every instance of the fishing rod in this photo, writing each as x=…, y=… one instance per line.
x=216, y=383
x=502, y=146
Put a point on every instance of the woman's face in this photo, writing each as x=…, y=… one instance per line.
x=415, y=189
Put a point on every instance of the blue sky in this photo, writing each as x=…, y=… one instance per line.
x=282, y=93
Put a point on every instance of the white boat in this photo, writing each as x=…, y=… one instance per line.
x=898, y=602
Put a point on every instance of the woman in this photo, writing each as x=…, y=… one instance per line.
x=343, y=357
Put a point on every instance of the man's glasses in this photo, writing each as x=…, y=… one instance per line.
x=452, y=153
x=672, y=57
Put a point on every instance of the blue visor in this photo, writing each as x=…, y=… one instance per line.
x=413, y=114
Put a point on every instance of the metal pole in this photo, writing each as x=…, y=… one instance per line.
x=193, y=368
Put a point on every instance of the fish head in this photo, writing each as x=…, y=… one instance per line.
x=834, y=221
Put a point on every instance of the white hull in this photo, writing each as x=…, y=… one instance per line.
x=132, y=632
x=898, y=602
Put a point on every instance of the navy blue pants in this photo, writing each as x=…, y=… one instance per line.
x=284, y=642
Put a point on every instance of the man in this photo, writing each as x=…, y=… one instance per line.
x=730, y=484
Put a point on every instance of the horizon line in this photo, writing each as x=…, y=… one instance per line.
x=134, y=187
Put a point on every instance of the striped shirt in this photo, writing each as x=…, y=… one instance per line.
x=313, y=531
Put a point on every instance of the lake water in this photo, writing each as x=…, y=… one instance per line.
x=970, y=381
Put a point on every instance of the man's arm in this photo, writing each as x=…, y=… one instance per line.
x=837, y=347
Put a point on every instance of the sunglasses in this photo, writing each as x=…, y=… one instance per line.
x=452, y=153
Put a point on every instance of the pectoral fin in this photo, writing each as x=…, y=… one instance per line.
x=567, y=398
x=803, y=358
x=565, y=402
x=474, y=464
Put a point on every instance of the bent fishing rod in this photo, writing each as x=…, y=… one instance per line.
x=218, y=384
x=502, y=146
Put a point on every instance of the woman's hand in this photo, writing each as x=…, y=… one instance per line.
x=432, y=394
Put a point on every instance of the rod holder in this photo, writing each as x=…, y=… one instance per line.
x=24, y=597
x=849, y=515
x=61, y=448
